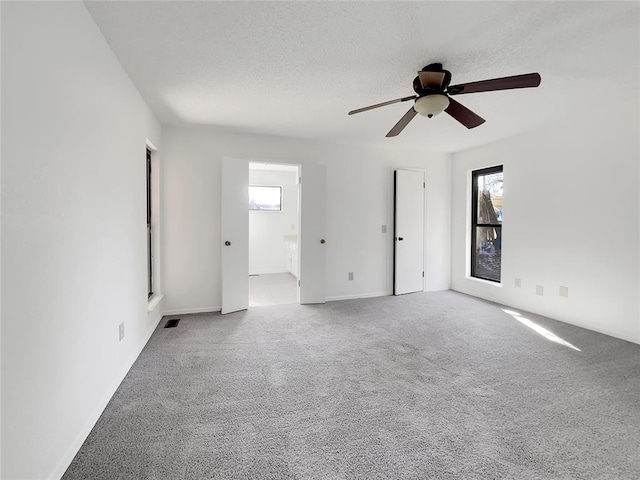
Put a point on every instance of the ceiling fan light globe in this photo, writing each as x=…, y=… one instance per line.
x=431, y=105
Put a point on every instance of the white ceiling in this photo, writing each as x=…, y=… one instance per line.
x=296, y=68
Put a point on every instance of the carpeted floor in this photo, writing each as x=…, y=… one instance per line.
x=423, y=386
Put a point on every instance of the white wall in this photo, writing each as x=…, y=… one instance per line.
x=73, y=232
x=571, y=214
x=267, y=229
x=0, y=260
x=359, y=202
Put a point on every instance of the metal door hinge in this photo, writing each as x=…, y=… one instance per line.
x=422, y=274
x=298, y=282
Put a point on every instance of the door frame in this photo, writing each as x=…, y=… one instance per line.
x=299, y=213
x=308, y=297
x=424, y=227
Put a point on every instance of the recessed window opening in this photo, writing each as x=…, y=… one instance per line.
x=486, y=223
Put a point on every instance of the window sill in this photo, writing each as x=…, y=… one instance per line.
x=483, y=281
x=154, y=301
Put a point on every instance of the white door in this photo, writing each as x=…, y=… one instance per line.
x=235, y=234
x=409, y=232
x=312, y=233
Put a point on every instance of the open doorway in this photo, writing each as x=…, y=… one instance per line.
x=273, y=234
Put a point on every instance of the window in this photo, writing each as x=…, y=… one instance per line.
x=265, y=198
x=149, y=232
x=486, y=223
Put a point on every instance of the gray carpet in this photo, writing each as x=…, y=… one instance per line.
x=436, y=385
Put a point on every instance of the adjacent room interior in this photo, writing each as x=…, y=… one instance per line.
x=273, y=234
x=242, y=170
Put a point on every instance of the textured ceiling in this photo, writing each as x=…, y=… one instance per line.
x=297, y=68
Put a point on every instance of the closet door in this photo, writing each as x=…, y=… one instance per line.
x=235, y=234
x=312, y=251
x=408, y=232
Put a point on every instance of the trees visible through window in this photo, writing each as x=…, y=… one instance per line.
x=149, y=232
x=486, y=223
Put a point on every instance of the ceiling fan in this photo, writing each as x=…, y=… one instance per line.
x=434, y=96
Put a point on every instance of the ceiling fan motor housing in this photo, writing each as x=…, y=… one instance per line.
x=432, y=67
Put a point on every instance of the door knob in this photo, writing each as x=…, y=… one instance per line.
x=227, y=243
x=322, y=241
x=400, y=239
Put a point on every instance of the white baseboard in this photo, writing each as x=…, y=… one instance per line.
x=603, y=331
x=609, y=333
x=91, y=422
x=359, y=295
x=184, y=311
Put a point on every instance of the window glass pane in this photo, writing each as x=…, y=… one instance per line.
x=490, y=198
x=149, y=262
x=488, y=242
x=265, y=198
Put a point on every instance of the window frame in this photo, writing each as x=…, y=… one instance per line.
x=474, y=220
x=149, y=229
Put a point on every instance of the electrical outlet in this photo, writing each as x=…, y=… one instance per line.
x=350, y=275
x=384, y=229
x=121, y=331
x=563, y=292
x=539, y=290
x=518, y=283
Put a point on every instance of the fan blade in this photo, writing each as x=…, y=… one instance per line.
x=404, y=121
x=371, y=107
x=506, y=83
x=463, y=114
x=431, y=79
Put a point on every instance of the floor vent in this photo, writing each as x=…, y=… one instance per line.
x=172, y=323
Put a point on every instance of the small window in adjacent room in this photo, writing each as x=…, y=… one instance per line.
x=265, y=198
x=486, y=223
x=149, y=232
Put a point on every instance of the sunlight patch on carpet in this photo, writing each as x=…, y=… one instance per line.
x=541, y=330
